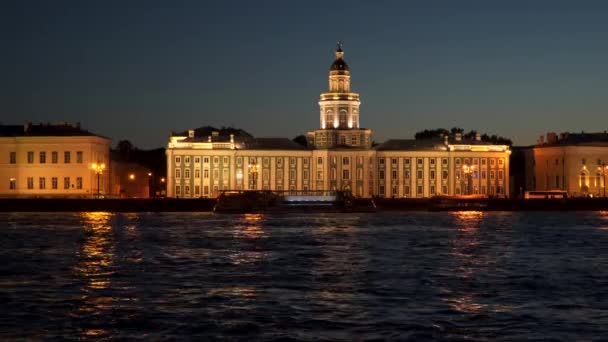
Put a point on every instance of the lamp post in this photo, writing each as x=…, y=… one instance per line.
x=98, y=169
x=150, y=185
x=468, y=174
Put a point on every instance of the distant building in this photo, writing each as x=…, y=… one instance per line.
x=52, y=161
x=129, y=180
x=339, y=156
x=574, y=162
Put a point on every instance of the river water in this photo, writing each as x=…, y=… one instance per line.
x=390, y=276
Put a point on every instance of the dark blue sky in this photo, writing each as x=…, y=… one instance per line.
x=139, y=69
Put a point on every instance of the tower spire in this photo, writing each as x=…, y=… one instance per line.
x=339, y=51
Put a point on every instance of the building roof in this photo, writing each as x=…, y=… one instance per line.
x=270, y=144
x=575, y=139
x=425, y=144
x=206, y=131
x=339, y=64
x=41, y=130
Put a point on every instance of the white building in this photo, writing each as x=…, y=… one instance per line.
x=339, y=156
x=52, y=161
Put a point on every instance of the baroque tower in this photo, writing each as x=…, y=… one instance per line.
x=339, y=111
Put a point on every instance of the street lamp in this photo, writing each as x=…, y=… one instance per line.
x=468, y=174
x=98, y=169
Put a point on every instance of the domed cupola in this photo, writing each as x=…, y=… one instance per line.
x=339, y=64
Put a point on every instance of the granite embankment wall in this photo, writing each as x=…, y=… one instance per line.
x=382, y=204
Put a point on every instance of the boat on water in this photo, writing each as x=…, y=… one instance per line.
x=231, y=201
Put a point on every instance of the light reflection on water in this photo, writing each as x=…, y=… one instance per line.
x=96, y=268
x=385, y=276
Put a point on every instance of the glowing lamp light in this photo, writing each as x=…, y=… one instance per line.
x=131, y=176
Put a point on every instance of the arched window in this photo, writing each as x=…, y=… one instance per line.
x=583, y=179
x=329, y=118
x=343, y=118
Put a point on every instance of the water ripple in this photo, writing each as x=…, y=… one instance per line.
x=471, y=276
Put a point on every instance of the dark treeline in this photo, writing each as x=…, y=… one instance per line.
x=154, y=160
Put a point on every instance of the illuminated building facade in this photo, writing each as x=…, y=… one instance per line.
x=573, y=162
x=52, y=161
x=339, y=156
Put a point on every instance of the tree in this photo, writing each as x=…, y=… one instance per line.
x=125, y=149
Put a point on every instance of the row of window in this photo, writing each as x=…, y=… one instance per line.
x=42, y=157
x=42, y=183
x=239, y=161
x=407, y=190
x=225, y=174
x=197, y=160
x=444, y=161
x=444, y=174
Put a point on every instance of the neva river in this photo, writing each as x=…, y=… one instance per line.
x=393, y=276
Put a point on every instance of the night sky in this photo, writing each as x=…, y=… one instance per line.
x=138, y=69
